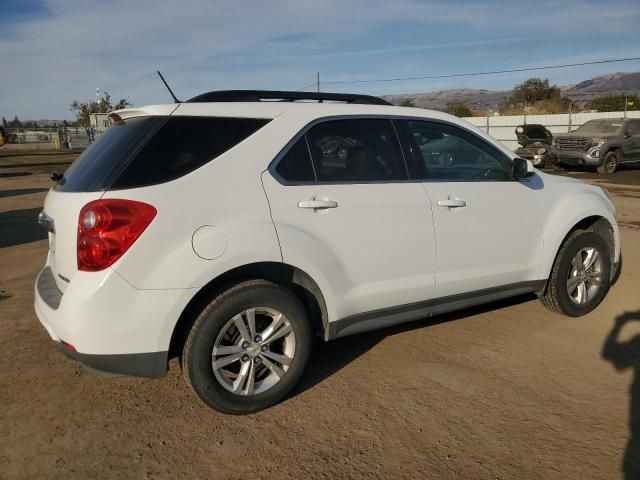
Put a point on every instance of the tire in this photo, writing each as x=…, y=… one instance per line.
x=557, y=297
x=214, y=385
x=610, y=164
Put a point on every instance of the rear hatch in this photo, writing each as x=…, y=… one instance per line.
x=90, y=175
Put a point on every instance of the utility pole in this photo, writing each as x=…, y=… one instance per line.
x=625, y=106
x=318, y=82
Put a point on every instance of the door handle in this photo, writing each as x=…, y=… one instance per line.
x=451, y=203
x=318, y=204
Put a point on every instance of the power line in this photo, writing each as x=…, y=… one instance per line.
x=472, y=74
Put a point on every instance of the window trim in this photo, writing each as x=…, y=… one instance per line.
x=504, y=159
x=412, y=176
x=303, y=132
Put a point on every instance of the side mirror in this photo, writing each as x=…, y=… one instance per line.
x=522, y=168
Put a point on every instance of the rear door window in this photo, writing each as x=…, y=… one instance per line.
x=296, y=165
x=356, y=150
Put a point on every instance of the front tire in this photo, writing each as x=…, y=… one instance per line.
x=580, y=277
x=610, y=164
x=248, y=348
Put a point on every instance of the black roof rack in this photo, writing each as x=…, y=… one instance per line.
x=284, y=96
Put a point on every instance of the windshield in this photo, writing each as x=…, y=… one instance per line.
x=600, y=127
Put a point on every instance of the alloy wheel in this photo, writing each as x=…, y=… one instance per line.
x=253, y=351
x=585, y=275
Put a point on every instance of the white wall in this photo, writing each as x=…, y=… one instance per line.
x=503, y=127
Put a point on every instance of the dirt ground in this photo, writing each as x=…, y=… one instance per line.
x=507, y=391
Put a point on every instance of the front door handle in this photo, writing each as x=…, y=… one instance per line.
x=451, y=203
x=318, y=204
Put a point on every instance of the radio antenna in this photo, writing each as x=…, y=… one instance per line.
x=175, y=99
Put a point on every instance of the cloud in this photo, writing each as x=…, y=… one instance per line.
x=73, y=46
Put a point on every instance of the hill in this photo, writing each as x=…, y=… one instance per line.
x=478, y=99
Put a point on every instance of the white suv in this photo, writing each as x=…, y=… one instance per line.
x=232, y=229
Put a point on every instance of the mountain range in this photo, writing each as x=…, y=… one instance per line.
x=479, y=99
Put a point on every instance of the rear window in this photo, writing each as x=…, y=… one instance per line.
x=152, y=150
x=98, y=165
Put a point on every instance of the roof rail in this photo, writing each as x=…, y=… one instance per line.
x=284, y=96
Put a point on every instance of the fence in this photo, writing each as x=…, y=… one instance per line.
x=503, y=128
x=50, y=138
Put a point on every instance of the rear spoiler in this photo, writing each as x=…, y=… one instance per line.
x=148, y=111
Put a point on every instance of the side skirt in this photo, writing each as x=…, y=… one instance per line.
x=386, y=317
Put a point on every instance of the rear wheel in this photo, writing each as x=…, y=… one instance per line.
x=248, y=348
x=610, y=164
x=581, y=274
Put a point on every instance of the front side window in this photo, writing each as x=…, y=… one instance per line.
x=356, y=150
x=451, y=153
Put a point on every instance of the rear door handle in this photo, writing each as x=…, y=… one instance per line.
x=318, y=204
x=451, y=203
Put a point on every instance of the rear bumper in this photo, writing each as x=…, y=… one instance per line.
x=106, y=324
x=149, y=365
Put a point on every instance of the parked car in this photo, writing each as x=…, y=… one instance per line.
x=231, y=230
x=536, y=145
x=605, y=144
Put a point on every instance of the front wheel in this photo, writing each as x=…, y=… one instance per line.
x=610, y=164
x=581, y=274
x=248, y=348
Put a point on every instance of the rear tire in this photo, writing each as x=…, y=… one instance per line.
x=580, y=277
x=610, y=164
x=259, y=372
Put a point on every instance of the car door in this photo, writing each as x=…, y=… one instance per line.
x=488, y=227
x=346, y=214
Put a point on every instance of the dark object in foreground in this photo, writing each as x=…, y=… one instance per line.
x=536, y=145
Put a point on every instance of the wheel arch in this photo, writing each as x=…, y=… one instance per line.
x=293, y=278
x=596, y=223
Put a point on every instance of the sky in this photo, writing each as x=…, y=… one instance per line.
x=54, y=51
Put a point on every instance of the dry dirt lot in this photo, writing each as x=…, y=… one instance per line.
x=507, y=391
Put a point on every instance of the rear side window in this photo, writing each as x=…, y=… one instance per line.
x=356, y=150
x=183, y=144
x=98, y=165
x=151, y=150
x=296, y=165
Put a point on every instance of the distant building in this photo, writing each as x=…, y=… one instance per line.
x=99, y=121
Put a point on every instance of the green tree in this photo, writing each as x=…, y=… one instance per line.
x=459, y=109
x=532, y=91
x=5, y=124
x=407, y=102
x=615, y=103
x=83, y=110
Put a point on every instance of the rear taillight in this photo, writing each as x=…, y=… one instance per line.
x=106, y=230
